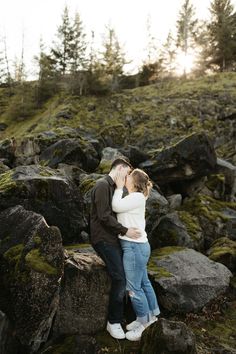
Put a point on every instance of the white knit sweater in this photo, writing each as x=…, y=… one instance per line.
x=130, y=212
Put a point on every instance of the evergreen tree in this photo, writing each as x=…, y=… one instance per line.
x=167, y=58
x=186, y=28
x=113, y=59
x=47, y=75
x=62, y=51
x=222, y=35
x=78, y=46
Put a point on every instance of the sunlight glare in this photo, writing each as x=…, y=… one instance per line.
x=184, y=63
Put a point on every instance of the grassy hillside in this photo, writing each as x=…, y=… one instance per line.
x=150, y=117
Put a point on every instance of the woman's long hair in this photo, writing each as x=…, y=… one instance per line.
x=141, y=180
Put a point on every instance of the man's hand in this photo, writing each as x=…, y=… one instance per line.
x=133, y=233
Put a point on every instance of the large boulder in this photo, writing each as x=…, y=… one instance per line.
x=47, y=192
x=156, y=206
x=178, y=228
x=168, y=337
x=27, y=151
x=192, y=157
x=7, y=150
x=223, y=251
x=84, y=295
x=75, y=151
x=216, y=218
x=185, y=279
x=108, y=155
x=31, y=262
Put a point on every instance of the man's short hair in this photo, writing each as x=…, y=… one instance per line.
x=120, y=161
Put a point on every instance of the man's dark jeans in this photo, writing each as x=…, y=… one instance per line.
x=112, y=256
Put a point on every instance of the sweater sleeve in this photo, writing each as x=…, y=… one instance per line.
x=104, y=211
x=131, y=201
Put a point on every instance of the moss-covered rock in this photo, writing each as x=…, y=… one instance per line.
x=223, y=250
x=31, y=261
x=75, y=151
x=47, y=192
x=177, y=229
x=187, y=280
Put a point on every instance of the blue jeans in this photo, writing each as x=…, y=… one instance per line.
x=142, y=295
x=112, y=257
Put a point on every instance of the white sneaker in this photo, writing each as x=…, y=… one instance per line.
x=115, y=330
x=136, y=324
x=136, y=333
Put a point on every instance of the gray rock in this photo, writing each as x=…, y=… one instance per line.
x=175, y=201
x=27, y=152
x=186, y=280
x=168, y=337
x=31, y=262
x=84, y=296
x=108, y=155
x=47, y=192
x=192, y=157
x=156, y=206
x=177, y=229
x=71, y=151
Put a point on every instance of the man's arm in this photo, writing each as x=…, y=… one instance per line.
x=103, y=207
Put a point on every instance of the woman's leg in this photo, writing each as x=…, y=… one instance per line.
x=154, y=309
x=134, y=260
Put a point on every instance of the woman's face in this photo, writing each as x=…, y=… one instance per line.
x=129, y=183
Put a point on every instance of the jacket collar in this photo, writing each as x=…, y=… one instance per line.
x=110, y=180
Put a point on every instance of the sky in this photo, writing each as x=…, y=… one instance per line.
x=37, y=18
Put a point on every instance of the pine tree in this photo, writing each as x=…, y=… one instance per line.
x=222, y=35
x=186, y=28
x=167, y=58
x=78, y=46
x=113, y=58
x=47, y=75
x=62, y=51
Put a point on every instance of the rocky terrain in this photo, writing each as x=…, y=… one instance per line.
x=54, y=288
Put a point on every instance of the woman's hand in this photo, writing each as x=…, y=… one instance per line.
x=120, y=180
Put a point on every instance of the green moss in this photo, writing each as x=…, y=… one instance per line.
x=37, y=240
x=191, y=223
x=44, y=172
x=214, y=181
x=13, y=254
x=6, y=181
x=38, y=263
x=208, y=207
x=163, y=252
x=222, y=247
x=86, y=185
x=104, y=166
x=157, y=272
x=77, y=246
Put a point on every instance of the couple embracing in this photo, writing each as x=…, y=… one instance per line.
x=117, y=227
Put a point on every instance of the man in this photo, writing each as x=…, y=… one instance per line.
x=104, y=231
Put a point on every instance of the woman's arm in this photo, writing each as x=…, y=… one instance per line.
x=131, y=201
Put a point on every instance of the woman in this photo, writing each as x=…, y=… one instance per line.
x=136, y=252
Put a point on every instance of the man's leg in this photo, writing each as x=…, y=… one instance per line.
x=112, y=256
